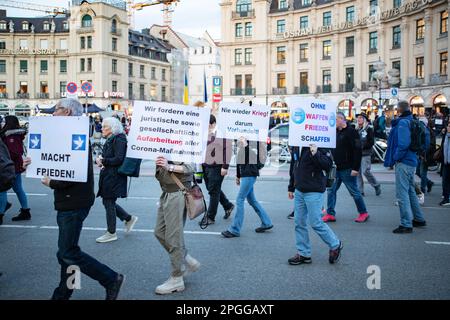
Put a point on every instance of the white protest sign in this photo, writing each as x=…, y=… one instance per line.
x=238, y=120
x=58, y=147
x=312, y=121
x=176, y=132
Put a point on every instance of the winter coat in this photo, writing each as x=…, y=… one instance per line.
x=307, y=171
x=347, y=154
x=366, y=136
x=250, y=162
x=399, y=143
x=112, y=184
x=14, y=141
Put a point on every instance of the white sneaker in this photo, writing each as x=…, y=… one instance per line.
x=421, y=198
x=173, y=284
x=107, y=237
x=129, y=225
x=192, y=265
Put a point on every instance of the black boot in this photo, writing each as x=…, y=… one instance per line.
x=1, y=219
x=23, y=215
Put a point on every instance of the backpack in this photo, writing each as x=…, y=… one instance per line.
x=7, y=169
x=418, y=136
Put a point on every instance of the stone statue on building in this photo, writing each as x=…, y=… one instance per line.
x=53, y=26
x=32, y=28
x=11, y=26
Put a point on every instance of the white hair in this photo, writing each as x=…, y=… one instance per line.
x=71, y=104
x=114, y=124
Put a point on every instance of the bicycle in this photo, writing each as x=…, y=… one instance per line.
x=379, y=150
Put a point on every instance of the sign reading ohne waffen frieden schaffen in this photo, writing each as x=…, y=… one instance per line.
x=361, y=21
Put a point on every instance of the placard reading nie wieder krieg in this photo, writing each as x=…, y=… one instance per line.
x=176, y=132
x=312, y=121
x=59, y=148
x=238, y=120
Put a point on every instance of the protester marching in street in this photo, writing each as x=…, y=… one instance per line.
x=401, y=155
x=170, y=221
x=347, y=157
x=113, y=185
x=73, y=201
x=366, y=136
x=426, y=184
x=13, y=136
x=307, y=187
x=444, y=158
x=215, y=168
x=249, y=163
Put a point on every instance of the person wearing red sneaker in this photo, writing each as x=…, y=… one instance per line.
x=347, y=156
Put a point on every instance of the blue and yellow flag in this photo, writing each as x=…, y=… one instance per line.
x=186, y=90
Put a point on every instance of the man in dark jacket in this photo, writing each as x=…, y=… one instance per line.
x=405, y=160
x=308, y=181
x=73, y=200
x=215, y=168
x=347, y=157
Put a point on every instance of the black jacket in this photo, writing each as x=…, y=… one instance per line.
x=250, y=162
x=307, y=171
x=75, y=195
x=347, y=154
x=366, y=135
x=112, y=184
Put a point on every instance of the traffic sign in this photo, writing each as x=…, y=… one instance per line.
x=86, y=87
x=71, y=87
x=394, y=92
x=217, y=89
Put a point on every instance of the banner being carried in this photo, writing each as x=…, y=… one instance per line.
x=176, y=132
x=238, y=120
x=59, y=148
x=312, y=121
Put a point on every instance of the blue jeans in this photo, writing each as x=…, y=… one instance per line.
x=352, y=187
x=308, y=207
x=69, y=253
x=246, y=191
x=18, y=189
x=406, y=195
x=422, y=172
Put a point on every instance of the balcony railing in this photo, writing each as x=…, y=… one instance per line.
x=301, y=90
x=22, y=96
x=243, y=92
x=82, y=30
x=279, y=91
x=347, y=87
x=42, y=95
x=243, y=14
x=437, y=79
x=116, y=32
x=415, y=82
x=323, y=89
x=3, y=95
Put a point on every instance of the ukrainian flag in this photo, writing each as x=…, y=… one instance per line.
x=186, y=90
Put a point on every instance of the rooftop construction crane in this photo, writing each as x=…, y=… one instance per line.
x=167, y=10
x=54, y=11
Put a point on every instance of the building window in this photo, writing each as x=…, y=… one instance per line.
x=114, y=66
x=281, y=55
x=326, y=81
x=443, y=57
x=238, y=30
x=114, y=86
x=63, y=66
x=114, y=44
x=2, y=66
x=46, y=26
x=282, y=4
x=153, y=73
x=396, y=37
x=130, y=91
x=350, y=14
x=2, y=25
x=163, y=93
x=350, y=46
x=373, y=7
x=141, y=92
x=371, y=72
x=444, y=22
x=327, y=49
x=153, y=91
x=23, y=87
x=83, y=43
x=25, y=26
x=304, y=52
x=306, y=3
x=281, y=26
x=163, y=74
x=44, y=87
x=349, y=79
x=114, y=25
x=238, y=81
x=420, y=29
x=420, y=71
x=303, y=82
x=396, y=65
x=303, y=22
x=248, y=56
x=327, y=19
x=23, y=44
x=63, y=44
x=62, y=87
x=373, y=42
x=82, y=64
x=397, y=4
x=89, y=42
x=238, y=56
x=130, y=69
x=141, y=71
x=65, y=25
x=23, y=66
x=243, y=5
x=2, y=44
x=86, y=21
x=248, y=83
x=248, y=30
x=44, y=44
x=281, y=80
x=89, y=64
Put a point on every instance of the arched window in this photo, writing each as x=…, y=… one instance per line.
x=243, y=5
x=86, y=21
x=25, y=26
x=46, y=26
x=114, y=25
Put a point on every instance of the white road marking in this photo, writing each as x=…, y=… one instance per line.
x=101, y=229
x=31, y=194
x=437, y=242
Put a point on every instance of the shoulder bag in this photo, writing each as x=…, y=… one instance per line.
x=195, y=201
